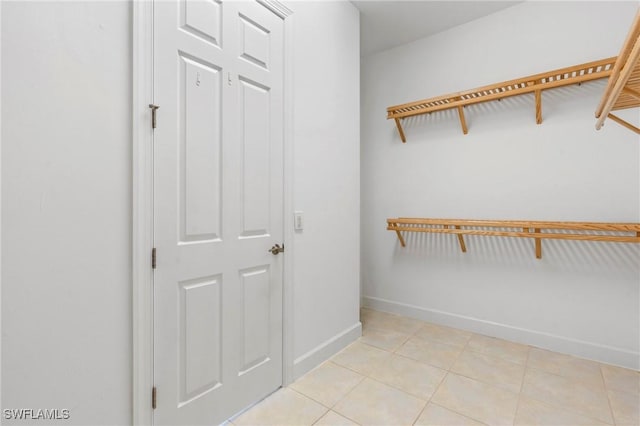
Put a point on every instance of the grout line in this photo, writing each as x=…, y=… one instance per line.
x=526, y=369
x=422, y=362
x=606, y=391
x=446, y=373
x=448, y=408
x=524, y=374
x=576, y=382
x=421, y=411
x=397, y=388
x=460, y=414
x=311, y=398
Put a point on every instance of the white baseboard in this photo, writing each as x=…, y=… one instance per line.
x=562, y=344
x=326, y=350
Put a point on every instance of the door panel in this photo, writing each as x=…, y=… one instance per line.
x=255, y=319
x=200, y=334
x=254, y=42
x=203, y=19
x=255, y=140
x=200, y=150
x=218, y=208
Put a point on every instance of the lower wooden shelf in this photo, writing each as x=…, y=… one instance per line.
x=537, y=230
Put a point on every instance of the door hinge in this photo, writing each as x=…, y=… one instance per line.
x=153, y=397
x=153, y=258
x=154, y=108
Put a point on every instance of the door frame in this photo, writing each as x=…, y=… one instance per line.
x=142, y=202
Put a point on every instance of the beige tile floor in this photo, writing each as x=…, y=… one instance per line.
x=407, y=372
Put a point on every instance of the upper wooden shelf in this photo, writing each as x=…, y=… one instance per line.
x=533, y=83
x=536, y=230
x=623, y=88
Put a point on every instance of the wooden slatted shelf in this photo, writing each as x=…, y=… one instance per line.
x=623, y=87
x=532, y=84
x=518, y=229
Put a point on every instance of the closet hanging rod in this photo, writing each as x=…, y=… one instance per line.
x=525, y=229
x=532, y=84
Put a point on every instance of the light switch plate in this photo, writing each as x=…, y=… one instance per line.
x=298, y=221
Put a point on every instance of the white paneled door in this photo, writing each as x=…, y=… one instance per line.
x=218, y=208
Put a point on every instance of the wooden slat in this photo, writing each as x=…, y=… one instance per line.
x=402, y=242
x=625, y=74
x=463, y=122
x=582, y=226
x=624, y=123
x=531, y=84
x=463, y=246
x=541, y=78
x=399, y=126
x=631, y=92
x=508, y=93
x=542, y=235
x=625, y=51
x=578, y=231
x=539, y=106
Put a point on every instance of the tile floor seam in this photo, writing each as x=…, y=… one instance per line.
x=347, y=394
x=421, y=362
x=606, y=391
x=350, y=391
x=350, y=369
x=524, y=373
x=613, y=417
x=420, y=412
x=575, y=379
x=373, y=346
x=571, y=410
x=389, y=350
x=363, y=376
x=486, y=381
x=452, y=409
x=397, y=388
x=460, y=414
x=332, y=411
x=379, y=382
x=310, y=397
x=496, y=357
x=626, y=392
x=493, y=385
x=346, y=417
x=536, y=402
x=578, y=381
x=446, y=373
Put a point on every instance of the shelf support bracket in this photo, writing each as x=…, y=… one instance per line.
x=538, y=244
x=402, y=136
x=463, y=247
x=463, y=122
x=538, y=106
x=400, y=238
x=624, y=123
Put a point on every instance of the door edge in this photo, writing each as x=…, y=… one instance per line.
x=142, y=212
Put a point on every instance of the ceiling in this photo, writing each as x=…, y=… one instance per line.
x=386, y=24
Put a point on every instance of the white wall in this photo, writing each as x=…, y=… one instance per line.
x=66, y=199
x=326, y=173
x=581, y=297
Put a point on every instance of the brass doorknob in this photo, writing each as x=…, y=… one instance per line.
x=276, y=249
